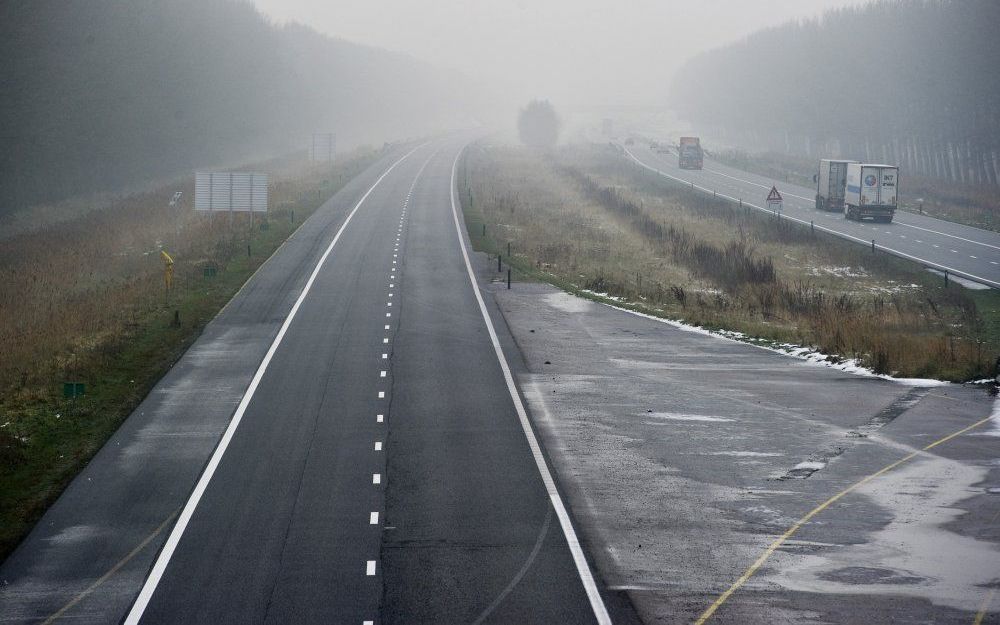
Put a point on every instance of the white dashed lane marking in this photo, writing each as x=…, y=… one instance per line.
x=378, y=445
x=379, y=418
x=370, y=570
x=376, y=478
x=373, y=519
x=381, y=394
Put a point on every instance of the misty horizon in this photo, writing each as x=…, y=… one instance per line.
x=576, y=54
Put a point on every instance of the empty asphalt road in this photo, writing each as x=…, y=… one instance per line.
x=969, y=252
x=344, y=444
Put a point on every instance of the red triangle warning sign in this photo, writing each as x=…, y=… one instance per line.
x=774, y=196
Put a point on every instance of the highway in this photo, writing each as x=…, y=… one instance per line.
x=344, y=444
x=969, y=252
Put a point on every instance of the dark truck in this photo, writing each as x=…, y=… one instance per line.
x=689, y=153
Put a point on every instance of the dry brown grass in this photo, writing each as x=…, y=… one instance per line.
x=83, y=300
x=588, y=219
x=75, y=285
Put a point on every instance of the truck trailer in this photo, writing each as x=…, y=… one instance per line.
x=831, y=181
x=689, y=153
x=871, y=191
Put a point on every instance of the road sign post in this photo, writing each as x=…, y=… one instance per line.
x=774, y=200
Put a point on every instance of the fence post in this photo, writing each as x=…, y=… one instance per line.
x=873, y=246
x=946, y=278
x=508, y=278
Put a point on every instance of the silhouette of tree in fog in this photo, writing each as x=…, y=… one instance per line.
x=99, y=95
x=909, y=82
x=538, y=124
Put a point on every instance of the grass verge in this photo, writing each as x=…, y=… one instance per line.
x=585, y=220
x=84, y=301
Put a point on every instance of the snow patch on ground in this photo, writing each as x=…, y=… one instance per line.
x=840, y=272
x=568, y=303
x=809, y=465
x=994, y=420
x=674, y=416
x=745, y=454
x=808, y=354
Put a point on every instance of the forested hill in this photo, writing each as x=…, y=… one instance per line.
x=101, y=94
x=913, y=82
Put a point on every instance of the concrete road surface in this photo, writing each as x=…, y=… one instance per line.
x=686, y=456
x=963, y=250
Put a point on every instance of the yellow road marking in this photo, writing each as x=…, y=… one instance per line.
x=759, y=562
x=983, y=608
x=112, y=571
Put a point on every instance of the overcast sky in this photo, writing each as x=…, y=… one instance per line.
x=571, y=51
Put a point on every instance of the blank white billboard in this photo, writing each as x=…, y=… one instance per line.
x=323, y=147
x=230, y=191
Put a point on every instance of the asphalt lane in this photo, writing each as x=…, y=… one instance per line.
x=465, y=509
x=933, y=242
x=378, y=472
x=88, y=555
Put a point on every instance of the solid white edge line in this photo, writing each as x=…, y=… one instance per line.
x=586, y=577
x=927, y=263
x=163, y=559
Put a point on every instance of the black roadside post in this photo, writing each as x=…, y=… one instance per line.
x=946, y=278
x=508, y=278
x=873, y=246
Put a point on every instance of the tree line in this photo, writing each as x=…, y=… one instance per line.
x=97, y=95
x=908, y=82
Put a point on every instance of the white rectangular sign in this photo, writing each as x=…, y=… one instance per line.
x=324, y=145
x=230, y=191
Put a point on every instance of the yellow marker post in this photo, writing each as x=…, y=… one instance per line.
x=168, y=270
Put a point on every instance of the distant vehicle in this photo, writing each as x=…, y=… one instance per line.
x=871, y=191
x=630, y=141
x=689, y=153
x=653, y=145
x=830, y=184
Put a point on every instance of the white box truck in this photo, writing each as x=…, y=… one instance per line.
x=871, y=191
x=830, y=184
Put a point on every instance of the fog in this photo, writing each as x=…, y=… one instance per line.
x=104, y=95
x=574, y=52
